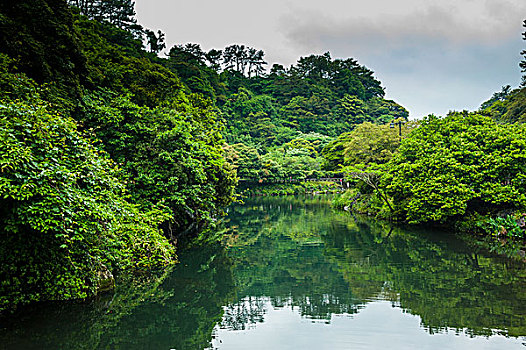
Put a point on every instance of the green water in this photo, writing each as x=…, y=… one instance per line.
x=293, y=274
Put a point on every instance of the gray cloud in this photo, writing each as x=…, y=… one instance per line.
x=447, y=23
x=431, y=56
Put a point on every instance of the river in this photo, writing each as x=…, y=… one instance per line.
x=291, y=273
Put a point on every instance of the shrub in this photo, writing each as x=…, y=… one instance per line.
x=64, y=213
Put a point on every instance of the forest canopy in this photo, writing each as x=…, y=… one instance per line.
x=115, y=147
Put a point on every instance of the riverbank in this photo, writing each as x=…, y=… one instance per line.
x=289, y=188
x=503, y=235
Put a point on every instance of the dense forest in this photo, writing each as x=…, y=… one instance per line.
x=106, y=156
x=465, y=170
x=114, y=148
x=112, y=151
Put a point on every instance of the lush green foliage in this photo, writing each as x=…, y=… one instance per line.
x=346, y=199
x=373, y=144
x=290, y=188
x=507, y=106
x=116, y=61
x=464, y=169
x=318, y=96
x=458, y=164
x=109, y=152
x=64, y=212
x=40, y=39
x=120, y=13
x=170, y=155
x=101, y=147
x=510, y=226
x=359, y=199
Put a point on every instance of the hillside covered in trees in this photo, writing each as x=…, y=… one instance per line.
x=112, y=151
x=466, y=169
x=113, y=147
x=277, y=124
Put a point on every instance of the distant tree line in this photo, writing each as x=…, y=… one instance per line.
x=239, y=58
x=522, y=64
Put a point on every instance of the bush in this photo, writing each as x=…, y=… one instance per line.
x=510, y=226
x=453, y=166
x=64, y=213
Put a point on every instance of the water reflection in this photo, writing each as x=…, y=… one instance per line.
x=324, y=263
x=304, y=276
x=173, y=310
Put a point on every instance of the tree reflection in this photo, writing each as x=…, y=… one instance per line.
x=244, y=314
x=288, y=253
x=435, y=277
x=325, y=262
x=174, y=310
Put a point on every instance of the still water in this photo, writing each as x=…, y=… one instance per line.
x=293, y=274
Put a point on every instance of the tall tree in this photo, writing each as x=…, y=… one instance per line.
x=46, y=49
x=255, y=62
x=156, y=42
x=214, y=58
x=316, y=67
x=497, y=96
x=235, y=57
x=523, y=62
x=120, y=13
x=89, y=8
x=188, y=53
x=195, y=50
x=278, y=70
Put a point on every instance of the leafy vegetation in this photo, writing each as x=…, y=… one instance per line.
x=289, y=188
x=168, y=154
x=464, y=167
x=106, y=157
x=277, y=124
x=451, y=166
x=110, y=154
x=65, y=213
x=464, y=170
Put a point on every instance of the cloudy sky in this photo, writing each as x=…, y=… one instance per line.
x=431, y=56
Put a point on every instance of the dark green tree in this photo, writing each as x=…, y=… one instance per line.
x=214, y=59
x=522, y=64
x=65, y=214
x=235, y=58
x=120, y=13
x=156, y=42
x=278, y=70
x=454, y=166
x=497, y=96
x=40, y=39
x=187, y=52
x=255, y=62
